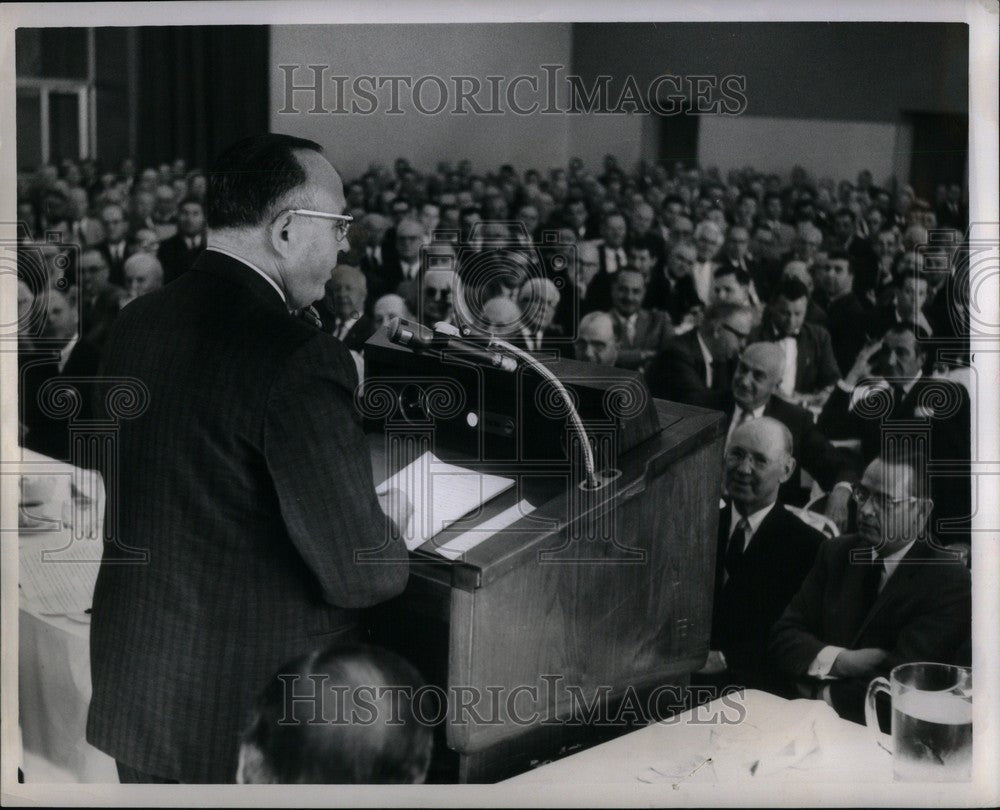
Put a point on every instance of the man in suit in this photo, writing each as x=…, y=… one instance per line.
x=810, y=365
x=100, y=299
x=115, y=244
x=611, y=255
x=846, y=317
x=248, y=527
x=177, y=253
x=73, y=364
x=885, y=398
x=644, y=332
x=755, y=395
x=342, y=308
x=876, y=599
x=696, y=368
x=764, y=552
x=401, y=269
x=845, y=239
x=673, y=290
x=539, y=300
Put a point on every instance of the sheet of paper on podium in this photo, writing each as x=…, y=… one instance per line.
x=441, y=493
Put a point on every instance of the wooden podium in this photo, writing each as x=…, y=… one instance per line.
x=539, y=633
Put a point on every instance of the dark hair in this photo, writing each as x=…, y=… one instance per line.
x=909, y=327
x=249, y=177
x=841, y=256
x=646, y=242
x=388, y=741
x=721, y=310
x=191, y=200
x=844, y=212
x=741, y=275
x=791, y=289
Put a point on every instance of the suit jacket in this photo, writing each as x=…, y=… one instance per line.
x=48, y=429
x=949, y=434
x=846, y=320
x=245, y=478
x=653, y=331
x=356, y=336
x=677, y=299
x=923, y=613
x=816, y=365
x=810, y=449
x=756, y=593
x=116, y=266
x=97, y=314
x=176, y=257
x=679, y=373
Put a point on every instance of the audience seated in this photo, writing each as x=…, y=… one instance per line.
x=885, y=397
x=178, y=253
x=810, y=365
x=876, y=599
x=836, y=277
x=644, y=333
x=764, y=552
x=342, y=308
x=143, y=274
x=755, y=394
x=372, y=727
x=539, y=301
x=696, y=368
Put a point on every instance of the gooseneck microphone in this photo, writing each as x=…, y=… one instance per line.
x=447, y=340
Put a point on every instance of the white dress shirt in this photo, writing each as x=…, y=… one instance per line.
x=739, y=418
x=707, y=354
x=66, y=350
x=791, y=348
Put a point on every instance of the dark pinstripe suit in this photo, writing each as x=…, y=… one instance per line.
x=249, y=483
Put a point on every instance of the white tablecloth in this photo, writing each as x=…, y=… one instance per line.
x=776, y=739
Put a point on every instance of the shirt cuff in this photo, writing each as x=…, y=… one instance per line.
x=844, y=485
x=845, y=387
x=825, y=696
x=823, y=663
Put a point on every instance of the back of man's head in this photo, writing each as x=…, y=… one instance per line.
x=253, y=174
x=372, y=722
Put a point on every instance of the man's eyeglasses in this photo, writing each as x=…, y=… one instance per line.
x=740, y=336
x=883, y=502
x=735, y=456
x=437, y=294
x=343, y=220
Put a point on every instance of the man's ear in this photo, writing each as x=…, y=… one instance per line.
x=789, y=469
x=281, y=234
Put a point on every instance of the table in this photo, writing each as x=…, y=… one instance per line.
x=775, y=739
x=54, y=685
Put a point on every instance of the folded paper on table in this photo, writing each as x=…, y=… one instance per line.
x=441, y=493
x=457, y=546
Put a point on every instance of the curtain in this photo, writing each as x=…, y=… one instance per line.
x=200, y=89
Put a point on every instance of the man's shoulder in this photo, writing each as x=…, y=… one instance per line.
x=794, y=417
x=815, y=332
x=794, y=530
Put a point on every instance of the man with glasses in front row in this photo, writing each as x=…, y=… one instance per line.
x=876, y=599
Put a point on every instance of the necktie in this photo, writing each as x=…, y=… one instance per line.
x=869, y=586
x=630, y=330
x=734, y=551
x=310, y=315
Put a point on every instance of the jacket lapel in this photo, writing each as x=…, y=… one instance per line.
x=897, y=583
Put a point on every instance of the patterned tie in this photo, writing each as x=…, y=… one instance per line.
x=734, y=551
x=310, y=315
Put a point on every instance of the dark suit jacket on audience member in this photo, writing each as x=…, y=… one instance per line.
x=116, y=267
x=176, y=257
x=923, y=613
x=48, y=434
x=244, y=478
x=768, y=575
x=356, y=336
x=816, y=366
x=846, y=322
x=677, y=300
x=679, y=373
x=950, y=438
x=811, y=450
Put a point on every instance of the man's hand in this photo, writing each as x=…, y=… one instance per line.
x=396, y=506
x=862, y=365
x=714, y=664
x=837, y=503
x=858, y=663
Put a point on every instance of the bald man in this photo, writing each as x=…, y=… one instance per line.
x=764, y=553
x=755, y=386
x=342, y=307
x=596, y=339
